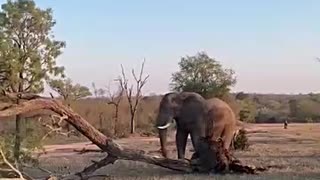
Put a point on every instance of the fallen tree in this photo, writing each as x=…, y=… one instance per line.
x=222, y=160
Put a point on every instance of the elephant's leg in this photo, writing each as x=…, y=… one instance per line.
x=216, y=132
x=227, y=137
x=181, y=142
x=195, y=137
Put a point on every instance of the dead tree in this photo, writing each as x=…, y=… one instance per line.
x=220, y=158
x=114, y=100
x=133, y=100
x=98, y=93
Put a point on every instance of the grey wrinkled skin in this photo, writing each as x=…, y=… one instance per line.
x=188, y=109
x=196, y=116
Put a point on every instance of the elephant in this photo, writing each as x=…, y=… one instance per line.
x=196, y=116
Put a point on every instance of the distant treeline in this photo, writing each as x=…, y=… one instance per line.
x=254, y=108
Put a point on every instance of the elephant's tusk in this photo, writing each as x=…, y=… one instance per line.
x=165, y=126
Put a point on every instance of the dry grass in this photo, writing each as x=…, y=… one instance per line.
x=101, y=115
x=296, y=150
x=91, y=109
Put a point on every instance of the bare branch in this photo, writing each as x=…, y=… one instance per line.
x=133, y=100
x=115, y=99
x=83, y=151
x=56, y=127
x=95, y=166
x=23, y=96
x=10, y=165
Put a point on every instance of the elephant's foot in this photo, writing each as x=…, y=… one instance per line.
x=184, y=160
x=194, y=155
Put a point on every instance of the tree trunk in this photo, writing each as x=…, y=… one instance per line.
x=68, y=125
x=116, y=121
x=132, y=125
x=101, y=120
x=17, y=143
x=18, y=138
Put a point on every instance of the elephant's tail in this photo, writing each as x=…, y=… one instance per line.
x=240, y=124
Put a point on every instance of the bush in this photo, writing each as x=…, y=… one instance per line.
x=32, y=141
x=241, y=140
x=247, y=111
x=7, y=145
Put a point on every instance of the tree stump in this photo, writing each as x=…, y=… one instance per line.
x=213, y=158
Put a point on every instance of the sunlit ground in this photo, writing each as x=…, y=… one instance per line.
x=296, y=150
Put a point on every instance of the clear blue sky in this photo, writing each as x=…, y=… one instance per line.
x=271, y=44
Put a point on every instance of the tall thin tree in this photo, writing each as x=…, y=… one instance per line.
x=28, y=50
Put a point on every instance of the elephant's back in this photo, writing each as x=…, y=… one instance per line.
x=221, y=111
x=217, y=103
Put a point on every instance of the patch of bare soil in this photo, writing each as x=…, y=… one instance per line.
x=295, y=150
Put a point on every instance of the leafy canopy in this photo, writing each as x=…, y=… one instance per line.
x=203, y=75
x=27, y=47
x=68, y=90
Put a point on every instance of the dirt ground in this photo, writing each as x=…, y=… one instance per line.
x=296, y=150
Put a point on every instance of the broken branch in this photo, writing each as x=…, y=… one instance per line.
x=83, y=151
x=104, y=143
x=10, y=165
x=95, y=166
x=56, y=126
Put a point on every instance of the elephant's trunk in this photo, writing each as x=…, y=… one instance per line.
x=164, y=120
x=163, y=142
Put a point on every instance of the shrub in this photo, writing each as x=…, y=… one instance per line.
x=247, y=111
x=241, y=140
x=7, y=145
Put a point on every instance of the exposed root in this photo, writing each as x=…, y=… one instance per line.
x=215, y=159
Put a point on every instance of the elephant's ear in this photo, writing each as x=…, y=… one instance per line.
x=177, y=100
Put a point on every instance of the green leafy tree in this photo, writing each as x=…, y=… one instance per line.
x=27, y=51
x=69, y=91
x=204, y=75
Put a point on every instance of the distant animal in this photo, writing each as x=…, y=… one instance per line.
x=285, y=124
x=196, y=116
